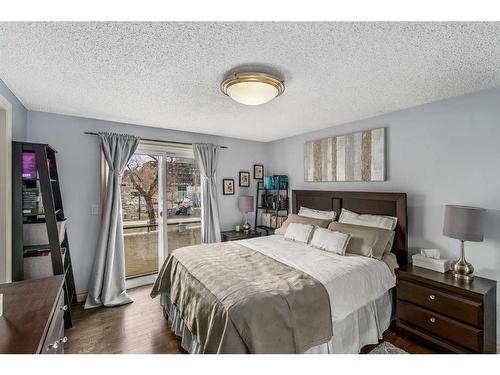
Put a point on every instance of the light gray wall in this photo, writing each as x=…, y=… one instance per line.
x=79, y=161
x=19, y=113
x=439, y=153
x=447, y=152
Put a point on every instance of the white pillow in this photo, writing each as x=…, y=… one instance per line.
x=377, y=221
x=317, y=214
x=330, y=240
x=299, y=232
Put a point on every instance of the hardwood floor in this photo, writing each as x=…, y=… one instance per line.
x=135, y=328
x=141, y=328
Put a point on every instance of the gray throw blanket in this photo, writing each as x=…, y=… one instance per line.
x=237, y=300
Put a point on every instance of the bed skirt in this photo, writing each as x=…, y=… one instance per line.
x=363, y=327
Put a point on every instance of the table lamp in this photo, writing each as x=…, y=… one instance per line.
x=465, y=224
x=245, y=204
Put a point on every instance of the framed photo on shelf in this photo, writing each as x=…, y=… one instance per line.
x=258, y=172
x=244, y=180
x=228, y=186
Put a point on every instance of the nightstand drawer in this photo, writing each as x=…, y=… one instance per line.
x=439, y=325
x=466, y=310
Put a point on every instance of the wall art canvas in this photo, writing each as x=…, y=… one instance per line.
x=352, y=157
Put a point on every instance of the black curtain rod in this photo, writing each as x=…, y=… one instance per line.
x=155, y=140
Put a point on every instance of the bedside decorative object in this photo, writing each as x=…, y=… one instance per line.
x=237, y=228
x=465, y=224
x=228, y=186
x=258, y=171
x=352, y=157
x=232, y=235
x=245, y=204
x=446, y=313
x=244, y=179
x=431, y=253
x=435, y=264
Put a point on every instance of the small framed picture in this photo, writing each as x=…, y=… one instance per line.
x=258, y=172
x=228, y=186
x=244, y=179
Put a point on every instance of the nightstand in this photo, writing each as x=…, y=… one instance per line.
x=232, y=235
x=447, y=314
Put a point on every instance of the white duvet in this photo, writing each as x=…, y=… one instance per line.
x=352, y=281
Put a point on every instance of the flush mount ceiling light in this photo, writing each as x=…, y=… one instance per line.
x=252, y=88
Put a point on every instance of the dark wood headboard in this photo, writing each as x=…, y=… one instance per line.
x=375, y=203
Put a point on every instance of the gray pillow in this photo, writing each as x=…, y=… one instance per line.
x=367, y=241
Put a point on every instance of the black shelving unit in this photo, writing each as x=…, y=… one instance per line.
x=50, y=211
x=261, y=205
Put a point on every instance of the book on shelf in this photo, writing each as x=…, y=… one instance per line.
x=283, y=182
x=32, y=201
x=277, y=221
x=266, y=219
x=276, y=182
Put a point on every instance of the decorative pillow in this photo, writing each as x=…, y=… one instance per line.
x=299, y=232
x=317, y=214
x=377, y=221
x=293, y=218
x=328, y=240
x=367, y=241
x=391, y=261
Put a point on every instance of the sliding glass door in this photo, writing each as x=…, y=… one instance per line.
x=183, y=202
x=160, y=206
x=140, y=209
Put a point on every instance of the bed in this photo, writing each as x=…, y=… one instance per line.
x=270, y=295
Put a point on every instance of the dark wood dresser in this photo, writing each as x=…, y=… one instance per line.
x=232, y=235
x=447, y=314
x=33, y=317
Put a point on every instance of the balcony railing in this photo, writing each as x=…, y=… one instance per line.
x=141, y=243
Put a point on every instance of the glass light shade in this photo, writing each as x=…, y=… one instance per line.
x=252, y=88
x=252, y=93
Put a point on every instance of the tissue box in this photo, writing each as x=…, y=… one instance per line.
x=440, y=265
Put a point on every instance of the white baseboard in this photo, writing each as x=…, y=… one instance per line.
x=81, y=297
x=140, y=281
x=131, y=283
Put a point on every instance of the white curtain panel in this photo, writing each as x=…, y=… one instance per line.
x=107, y=281
x=206, y=156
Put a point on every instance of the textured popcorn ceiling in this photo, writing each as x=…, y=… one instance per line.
x=168, y=74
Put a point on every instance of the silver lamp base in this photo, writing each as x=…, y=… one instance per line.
x=461, y=269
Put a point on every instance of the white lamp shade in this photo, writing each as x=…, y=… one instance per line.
x=252, y=93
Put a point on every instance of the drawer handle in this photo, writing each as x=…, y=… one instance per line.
x=64, y=340
x=432, y=297
x=432, y=320
x=64, y=308
x=55, y=345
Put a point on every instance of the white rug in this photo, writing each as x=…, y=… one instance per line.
x=387, y=348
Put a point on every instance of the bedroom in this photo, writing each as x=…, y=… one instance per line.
x=250, y=187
